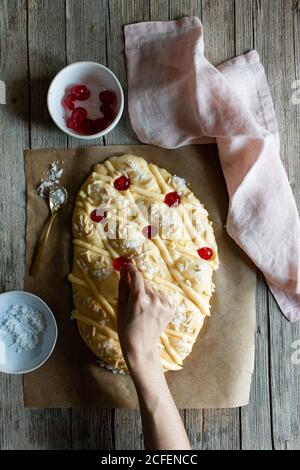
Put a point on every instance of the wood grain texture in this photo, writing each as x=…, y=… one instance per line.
x=47, y=56
x=277, y=50
x=86, y=40
x=14, y=135
x=256, y=427
x=41, y=37
x=120, y=13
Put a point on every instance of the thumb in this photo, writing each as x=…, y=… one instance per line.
x=124, y=288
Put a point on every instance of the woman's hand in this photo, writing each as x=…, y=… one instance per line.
x=143, y=314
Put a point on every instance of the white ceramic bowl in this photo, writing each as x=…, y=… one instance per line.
x=96, y=77
x=12, y=362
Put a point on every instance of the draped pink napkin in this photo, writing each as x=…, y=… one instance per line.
x=176, y=97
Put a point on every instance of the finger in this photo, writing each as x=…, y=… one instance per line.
x=124, y=287
x=137, y=285
x=163, y=298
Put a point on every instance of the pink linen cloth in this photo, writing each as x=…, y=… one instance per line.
x=176, y=97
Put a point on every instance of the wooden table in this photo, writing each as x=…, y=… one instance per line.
x=38, y=38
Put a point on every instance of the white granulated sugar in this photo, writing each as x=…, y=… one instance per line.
x=144, y=264
x=107, y=346
x=179, y=184
x=179, y=317
x=111, y=368
x=101, y=271
x=58, y=197
x=22, y=326
x=133, y=244
x=183, y=347
x=50, y=179
x=138, y=170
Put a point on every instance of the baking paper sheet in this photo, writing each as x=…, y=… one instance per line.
x=218, y=372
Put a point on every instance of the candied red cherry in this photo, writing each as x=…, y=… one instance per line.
x=80, y=92
x=107, y=97
x=172, y=199
x=149, y=231
x=79, y=115
x=109, y=113
x=97, y=215
x=68, y=103
x=121, y=262
x=87, y=127
x=122, y=183
x=74, y=125
x=205, y=252
x=100, y=124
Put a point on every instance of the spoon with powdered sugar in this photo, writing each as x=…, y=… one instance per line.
x=58, y=197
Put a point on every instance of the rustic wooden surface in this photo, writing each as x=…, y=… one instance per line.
x=37, y=38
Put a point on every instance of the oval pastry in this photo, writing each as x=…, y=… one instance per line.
x=129, y=210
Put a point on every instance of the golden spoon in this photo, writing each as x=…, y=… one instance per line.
x=58, y=197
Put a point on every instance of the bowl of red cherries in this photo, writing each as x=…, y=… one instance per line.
x=85, y=100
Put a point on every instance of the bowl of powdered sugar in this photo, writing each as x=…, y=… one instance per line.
x=28, y=332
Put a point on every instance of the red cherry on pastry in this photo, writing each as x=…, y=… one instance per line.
x=172, y=199
x=149, y=231
x=121, y=262
x=80, y=92
x=122, y=183
x=107, y=97
x=97, y=215
x=205, y=252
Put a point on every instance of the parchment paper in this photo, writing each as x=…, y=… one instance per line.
x=218, y=372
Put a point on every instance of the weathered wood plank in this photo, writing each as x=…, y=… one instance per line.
x=120, y=13
x=221, y=429
x=14, y=136
x=92, y=429
x=186, y=8
x=256, y=426
x=46, y=429
x=47, y=55
x=159, y=10
x=219, y=36
x=256, y=417
x=128, y=430
x=86, y=40
x=277, y=50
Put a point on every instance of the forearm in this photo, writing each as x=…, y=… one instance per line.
x=162, y=424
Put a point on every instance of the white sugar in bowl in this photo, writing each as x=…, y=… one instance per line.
x=28, y=332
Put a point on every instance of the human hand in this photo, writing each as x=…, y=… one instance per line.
x=143, y=314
